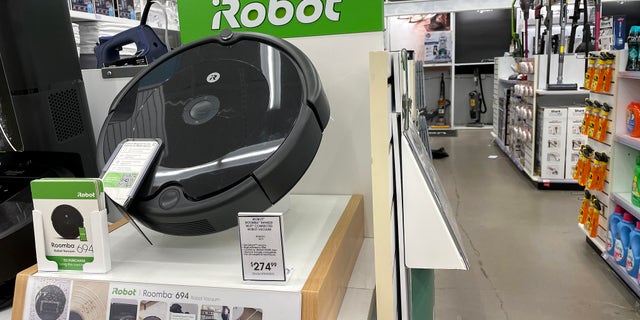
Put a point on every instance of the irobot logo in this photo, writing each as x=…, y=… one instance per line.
x=277, y=12
x=123, y=292
x=213, y=77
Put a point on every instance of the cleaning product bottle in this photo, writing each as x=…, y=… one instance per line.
x=610, y=71
x=632, y=119
x=602, y=175
x=595, y=219
x=633, y=253
x=588, y=106
x=586, y=167
x=621, y=245
x=579, y=164
x=635, y=193
x=632, y=62
x=603, y=122
x=597, y=170
x=612, y=233
x=591, y=69
x=594, y=119
x=584, y=209
x=605, y=75
x=597, y=75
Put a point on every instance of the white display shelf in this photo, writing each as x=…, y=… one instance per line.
x=628, y=141
x=213, y=263
x=629, y=74
x=544, y=92
x=433, y=65
x=79, y=16
x=596, y=241
x=623, y=199
x=474, y=63
x=622, y=273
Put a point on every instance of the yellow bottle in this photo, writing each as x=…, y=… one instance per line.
x=597, y=75
x=591, y=68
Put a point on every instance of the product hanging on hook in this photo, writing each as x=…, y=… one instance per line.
x=149, y=45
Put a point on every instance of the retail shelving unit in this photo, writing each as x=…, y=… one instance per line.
x=623, y=150
x=518, y=129
x=605, y=196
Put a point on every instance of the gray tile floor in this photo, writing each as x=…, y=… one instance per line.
x=528, y=258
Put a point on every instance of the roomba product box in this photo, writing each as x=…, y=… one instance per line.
x=241, y=116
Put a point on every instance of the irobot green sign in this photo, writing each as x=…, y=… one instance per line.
x=282, y=18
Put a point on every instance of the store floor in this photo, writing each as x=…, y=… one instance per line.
x=528, y=258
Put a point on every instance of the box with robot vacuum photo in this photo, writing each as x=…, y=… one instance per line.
x=70, y=224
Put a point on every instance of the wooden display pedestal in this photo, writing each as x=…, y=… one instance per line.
x=322, y=238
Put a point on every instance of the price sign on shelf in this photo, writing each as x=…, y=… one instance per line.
x=261, y=246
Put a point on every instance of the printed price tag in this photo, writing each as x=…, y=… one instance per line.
x=261, y=246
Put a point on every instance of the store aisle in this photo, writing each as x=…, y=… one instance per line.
x=528, y=258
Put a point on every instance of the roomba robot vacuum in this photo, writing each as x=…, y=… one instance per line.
x=241, y=117
x=67, y=221
x=50, y=302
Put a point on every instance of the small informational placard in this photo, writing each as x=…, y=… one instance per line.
x=70, y=224
x=127, y=167
x=261, y=246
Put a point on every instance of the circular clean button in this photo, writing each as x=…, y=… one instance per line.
x=201, y=109
x=169, y=198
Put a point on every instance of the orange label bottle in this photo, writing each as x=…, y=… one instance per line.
x=586, y=167
x=584, y=209
x=594, y=119
x=595, y=219
x=579, y=164
x=597, y=75
x=588, y=105
x=603, y=173
x=610, y=71
x=591, y=68
x=603, y=122
x=596, y=165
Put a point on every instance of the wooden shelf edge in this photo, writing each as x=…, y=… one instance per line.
x=327, y=284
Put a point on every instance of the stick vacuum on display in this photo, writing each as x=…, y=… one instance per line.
x=561, y=49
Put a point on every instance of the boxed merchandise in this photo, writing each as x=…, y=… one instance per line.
x=126, y=9
x=553, y=136
x=105, y=7
x=83, y=6
x=437, y=47
x=574, y=139
x=619, y=32
x=606, y=33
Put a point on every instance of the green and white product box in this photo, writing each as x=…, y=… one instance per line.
x=70, y=224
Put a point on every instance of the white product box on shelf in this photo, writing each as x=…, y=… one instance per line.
x=574, y=139
x=553, y=126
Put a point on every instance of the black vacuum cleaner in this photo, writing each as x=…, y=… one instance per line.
x=477, y=104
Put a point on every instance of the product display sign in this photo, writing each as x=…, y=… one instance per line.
x=282, y=18
x=66, y=208
x=261, y=246
x=51, y=298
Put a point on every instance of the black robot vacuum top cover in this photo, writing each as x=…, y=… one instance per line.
x=241, y=116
